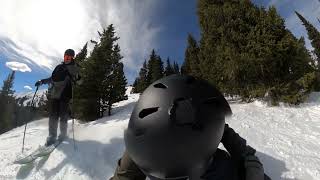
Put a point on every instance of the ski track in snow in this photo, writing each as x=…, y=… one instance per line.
x=286, y=139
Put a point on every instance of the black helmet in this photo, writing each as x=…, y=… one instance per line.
x=176, y=127
x=69, y=52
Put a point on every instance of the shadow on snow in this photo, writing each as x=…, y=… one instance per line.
x=92, y=159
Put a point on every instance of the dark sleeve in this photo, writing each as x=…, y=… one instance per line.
x=46, y=81
x=235, y=145
x=127, y=170
x=250, y=167
x=49, y=80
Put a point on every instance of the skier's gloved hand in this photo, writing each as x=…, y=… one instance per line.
x=38, y=83
x=235, y=145
x=243, y=154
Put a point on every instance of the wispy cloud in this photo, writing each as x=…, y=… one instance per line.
x=27, y=87
x=17, y=66
x=133, y=22
x=42, y=30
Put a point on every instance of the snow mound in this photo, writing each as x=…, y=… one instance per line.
x=286, y=139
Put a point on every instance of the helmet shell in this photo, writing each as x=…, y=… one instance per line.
x=176, y=126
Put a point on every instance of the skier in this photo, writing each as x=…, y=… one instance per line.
x=61, y=82
x=174, y=132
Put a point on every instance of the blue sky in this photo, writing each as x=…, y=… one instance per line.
x=36, y=32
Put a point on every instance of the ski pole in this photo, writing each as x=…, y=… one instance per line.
x=26, y=122
x=74, y=142
x=72, y=114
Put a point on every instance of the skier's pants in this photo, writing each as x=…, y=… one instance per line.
x=58, y=109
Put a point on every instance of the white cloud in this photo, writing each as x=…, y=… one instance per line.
x=43, y=29
x=17, y=66
x=132, y=20
x=27, y=87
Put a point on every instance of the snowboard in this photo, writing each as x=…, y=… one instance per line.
x=39, y=152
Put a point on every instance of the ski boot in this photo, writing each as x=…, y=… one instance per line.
x=61, y=137
x=50, y=140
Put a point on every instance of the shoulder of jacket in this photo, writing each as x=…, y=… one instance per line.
x=60, y=66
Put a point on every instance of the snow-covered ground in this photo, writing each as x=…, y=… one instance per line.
x=286, y=139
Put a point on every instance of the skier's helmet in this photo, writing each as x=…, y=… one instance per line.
x=69, y=52
x=68, y=55
x=176, y=127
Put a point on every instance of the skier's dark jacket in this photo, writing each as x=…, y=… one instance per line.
x=60, y=82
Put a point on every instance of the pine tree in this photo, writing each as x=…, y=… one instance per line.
x=314, y=36
x=176, y=69
x=141, y=82
x=6, y=89
x=87, y=93
x=183, y=70
x=76, y=108
x=247, y=51
x=81, y=56
x=7, y=103
x=150, y=67
x=103, y=77
x=155, y=68
x=116, y=80
x=151, y=71
x=191, y=62
x=134, y=84
x=169, y=69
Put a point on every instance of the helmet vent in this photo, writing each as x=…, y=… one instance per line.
x=160, y=85
x=147, y=112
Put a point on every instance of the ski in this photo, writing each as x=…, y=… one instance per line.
x=39, y=152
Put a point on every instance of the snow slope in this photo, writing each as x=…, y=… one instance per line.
x=29, y=95
x=286, y=140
